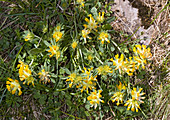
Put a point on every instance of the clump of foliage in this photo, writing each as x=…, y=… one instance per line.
x=77, y=64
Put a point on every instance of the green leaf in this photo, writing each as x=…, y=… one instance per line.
x=87, y=106
x=35, y=51
x=110, y=19
x=61, y=18
x=46, y=43
x=120, y=108
x=41, y=101
x=112, y=49
x=87, y=113
x=67, y=71
x=62, y=70
x=37, y=95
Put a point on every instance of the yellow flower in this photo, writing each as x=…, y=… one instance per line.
x=136, y=95
x=75, y=80
x=13, y=85
x=104, y=70
x=125, y=66
x=142, y=52
x=118, y=96
x=100, y=18
x=104, y=37
x=54, y=51
x=85, y=34
x=28, y=35
x=139, y=62
x=141, y=55
x=74, y=45
x=44, y=76
x=91, y=23
x=25, y=73
x=129, y=66
x=90, y=57
x=58, y=28
x=94, y=98
x=118, y=62
x=81, y=2
x=88, y=80
x=120, y=86
x=132, y=103
x=57, y=35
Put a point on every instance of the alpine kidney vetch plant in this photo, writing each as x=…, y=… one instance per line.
x=77, y=57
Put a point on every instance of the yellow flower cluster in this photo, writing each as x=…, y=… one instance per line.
x=13, y=85
x=92, y=25
x=118, y=96
x=85, y=33
x=74, y=44
x=129, y=66
x=44, y=76
x=28, y=36
x=90, y=57
x=57, y=35
x=141, y=55
x=94, y=98
x=25, y=73
x=103, y=70
x=54, y=51
x=104, y=37
x=86, y=82
x=75, y=79
x=100, y=18
x=136, y=95
x=135, y=101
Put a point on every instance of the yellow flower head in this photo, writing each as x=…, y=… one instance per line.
x=75, y=80
x=28, y=35
x=88, y=81
x=136, y=95
x=118, y=96
x=142, y=52
x=25, y=73
x=133, y=104
x=94, y=98
x=90, y=57
x=13, y=85
x=129, y=66
x=104, y=70
x=120, y=86
x=81, y=2
x=74, y=44
x=85, y=33
x=104, y=37
x=91, y=23
x=44, y=76
x=54, y=51
x=57, y=35
x=118, y=62
x=100, y=18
